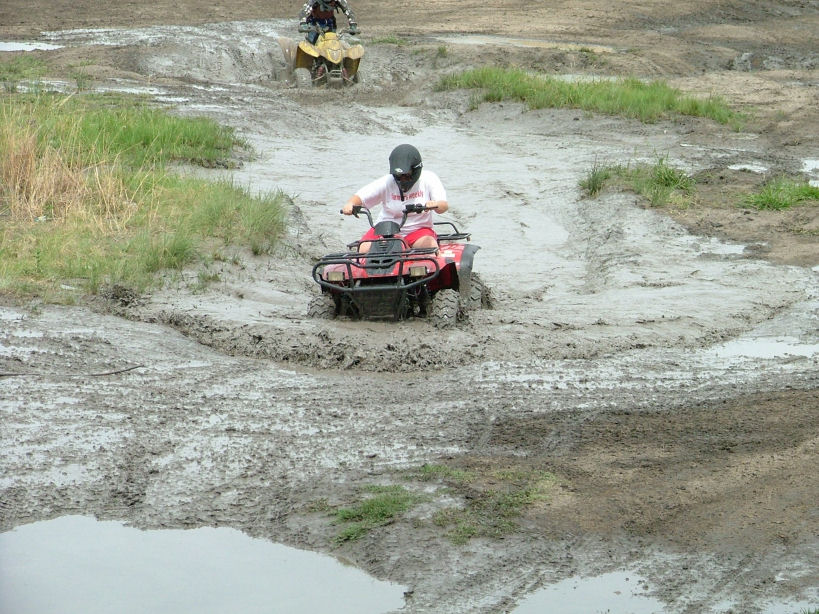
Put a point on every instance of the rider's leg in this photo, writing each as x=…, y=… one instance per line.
x=425, y=242
x=423, y=237
x=367, y=241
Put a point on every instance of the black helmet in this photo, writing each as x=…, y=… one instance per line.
x=405, y=167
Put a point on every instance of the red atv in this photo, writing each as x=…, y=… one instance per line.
x=393, y=281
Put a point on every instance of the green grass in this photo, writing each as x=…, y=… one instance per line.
x=596, y=179
x=659, y=183
x=495, y=499
x=21, y=67
x=648, y=102
x=381, y=507
x=87, y=198
x=782, y=193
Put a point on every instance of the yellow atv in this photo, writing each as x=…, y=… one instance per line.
x=330, y=61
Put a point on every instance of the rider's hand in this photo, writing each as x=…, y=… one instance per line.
x=304, y=27
x=347, y=209
x=354, y=28
x=430, y=205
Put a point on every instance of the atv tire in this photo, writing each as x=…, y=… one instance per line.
x=479, y=297
x=322, y=307
x=444, y=309
x=304, y=80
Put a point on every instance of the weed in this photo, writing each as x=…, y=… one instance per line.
x=384, y=504
x=20, y=68
x=85, y=195
x=83, y=79
x=659, y=183
x=782, y=193
x=630, y=97
x=495, y=498
x=595, y=179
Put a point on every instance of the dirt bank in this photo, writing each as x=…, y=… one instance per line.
x=661, y=366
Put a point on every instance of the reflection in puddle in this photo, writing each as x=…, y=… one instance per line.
x=615, y=593
x=76, y=564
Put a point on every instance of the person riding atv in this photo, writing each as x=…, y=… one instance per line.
x=319, y=15
x=407, y=182
x=402, y=267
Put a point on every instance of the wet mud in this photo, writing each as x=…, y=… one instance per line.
x=663, y=370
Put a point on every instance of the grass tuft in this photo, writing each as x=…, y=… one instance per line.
x=782, y=193
x=648, y=102
x=86, y=197
x=379, y=509
x=659, y=183
x=495, y=499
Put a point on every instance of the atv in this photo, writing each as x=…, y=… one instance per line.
x=330, y=61
x=393, y=281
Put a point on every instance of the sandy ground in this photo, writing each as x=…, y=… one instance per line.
x=661, y=364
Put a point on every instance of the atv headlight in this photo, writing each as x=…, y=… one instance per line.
x=335, y=276
x=418, y=271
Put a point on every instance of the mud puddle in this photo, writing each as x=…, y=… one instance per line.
x=76, y=564
x=614, y=593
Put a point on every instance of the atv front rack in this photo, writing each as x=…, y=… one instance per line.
x=366, y=272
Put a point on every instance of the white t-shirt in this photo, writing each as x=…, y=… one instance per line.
x=384, y=191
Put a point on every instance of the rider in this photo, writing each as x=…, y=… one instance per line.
x=321, y=13
x=407, y=183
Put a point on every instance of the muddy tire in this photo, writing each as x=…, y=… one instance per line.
x=303, y=78
x=444, y=308
x=479, y=296
x=322, y=307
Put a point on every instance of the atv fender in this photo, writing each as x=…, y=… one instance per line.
x=354, y=52
x=465, y=271
x=309, y=49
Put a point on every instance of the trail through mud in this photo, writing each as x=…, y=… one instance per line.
x=666, y=379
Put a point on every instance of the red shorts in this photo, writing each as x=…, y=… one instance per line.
x=410, y=239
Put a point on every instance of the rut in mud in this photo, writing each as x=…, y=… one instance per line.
x=666, y=379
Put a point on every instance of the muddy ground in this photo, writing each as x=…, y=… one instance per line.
x=661, y=364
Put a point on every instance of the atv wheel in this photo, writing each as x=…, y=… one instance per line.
x=444, y=308
x=479, y=297
x=322, y=307
x=303, y=78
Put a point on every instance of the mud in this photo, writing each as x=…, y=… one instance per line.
x=662, y=364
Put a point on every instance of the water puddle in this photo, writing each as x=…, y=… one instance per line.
x=79, y=565
x=765, y=348
x=27, y=46
x=751, y=168
x=618, y=592
x=811, y=167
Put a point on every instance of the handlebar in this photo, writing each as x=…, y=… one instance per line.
x=408, y=208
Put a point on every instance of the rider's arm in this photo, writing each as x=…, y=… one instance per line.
x=348, y=12
x=439, y=205
x=354, y=201
x=306, y=10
